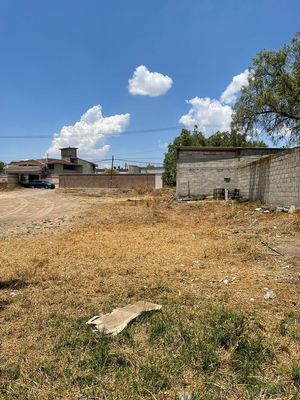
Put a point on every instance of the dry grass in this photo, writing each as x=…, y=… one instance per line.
x=205, y=262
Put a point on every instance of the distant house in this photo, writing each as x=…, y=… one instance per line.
x=134, y=169
x=148, y=169
x=50, y=168
x=118, y=169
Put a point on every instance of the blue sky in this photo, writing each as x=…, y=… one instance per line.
x=61, y=58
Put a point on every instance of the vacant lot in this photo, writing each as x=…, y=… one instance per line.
x=27, y=210
x=208, y=263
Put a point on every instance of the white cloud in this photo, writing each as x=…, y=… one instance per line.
x=146, y=83
x=208, y=114
x=229, y=95
x=211, y=115
x=89, y=133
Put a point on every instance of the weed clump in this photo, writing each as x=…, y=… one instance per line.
x=290, y=326
x=295, y=373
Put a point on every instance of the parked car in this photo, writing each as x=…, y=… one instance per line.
x=38, y=184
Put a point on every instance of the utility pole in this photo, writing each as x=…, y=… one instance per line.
x=111, y=170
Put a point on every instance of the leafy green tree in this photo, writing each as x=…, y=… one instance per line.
x=232, y=139
x=186, y=138
x=196, y=138
x=271, y=101
x=1, y=167
x=111, y=171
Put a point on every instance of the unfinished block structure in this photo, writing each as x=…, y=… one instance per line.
x=268, y=174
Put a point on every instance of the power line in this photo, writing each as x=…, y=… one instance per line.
x=140, y=152
x=127, y=159
x=109, y=134
x=130, y=161
x=112, y=134
x=139, y=161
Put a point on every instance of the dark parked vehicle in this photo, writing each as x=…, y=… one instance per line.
x=41, y=185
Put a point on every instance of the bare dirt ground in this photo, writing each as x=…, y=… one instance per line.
x=26, y=211
x=209, y=264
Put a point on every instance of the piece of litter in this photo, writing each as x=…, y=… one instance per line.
x=282, y=209
x=258, y=209
x=252, y=299
x=286, y=267
x=185, y=396
x=226, y=281
x=114, y=322
x=269, y=295
x=292, y=209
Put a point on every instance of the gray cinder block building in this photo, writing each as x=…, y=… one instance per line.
x=269, y=174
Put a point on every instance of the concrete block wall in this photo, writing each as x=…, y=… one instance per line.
x=200, y=172
x=202, y=180
x=248, y=155
x=274, y=180
x=270, y=175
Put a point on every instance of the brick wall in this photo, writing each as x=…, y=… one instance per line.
x=103, y=181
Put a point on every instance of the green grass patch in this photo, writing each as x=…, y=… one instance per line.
x=295, y=375
x=290, y=326
x=209, y=352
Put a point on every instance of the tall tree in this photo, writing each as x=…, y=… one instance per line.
x=1, y=166
x=196, y=138
x=232, y=139
x=186, y=138
x=271, y=101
